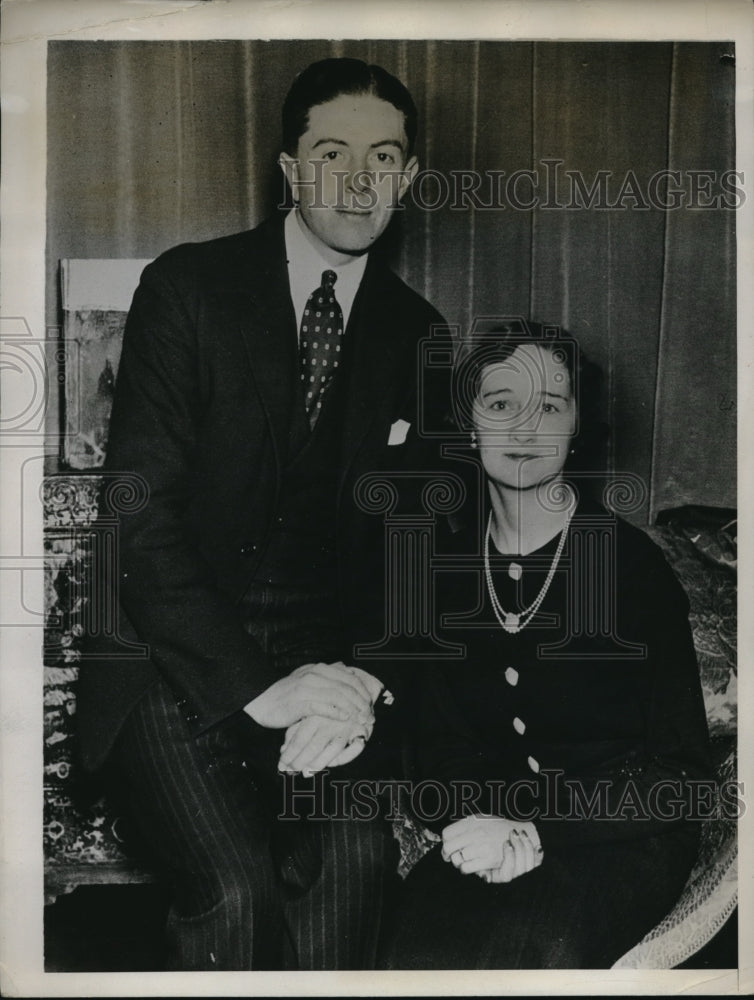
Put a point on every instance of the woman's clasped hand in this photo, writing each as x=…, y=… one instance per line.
x=491, y=847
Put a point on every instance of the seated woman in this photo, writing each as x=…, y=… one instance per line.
x=559, y=757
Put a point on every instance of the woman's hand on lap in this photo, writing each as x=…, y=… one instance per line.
x=492, y=847
x=520, y=855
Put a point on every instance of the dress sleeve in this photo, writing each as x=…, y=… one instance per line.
x=666, y=780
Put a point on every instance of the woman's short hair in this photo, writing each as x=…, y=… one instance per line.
x=493, y=341
x=329, y=78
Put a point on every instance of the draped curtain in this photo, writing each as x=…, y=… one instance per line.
x=155, y=143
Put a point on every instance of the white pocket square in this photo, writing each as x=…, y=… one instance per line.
x=398, y=432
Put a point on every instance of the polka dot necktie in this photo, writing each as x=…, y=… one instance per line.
x=319, y=344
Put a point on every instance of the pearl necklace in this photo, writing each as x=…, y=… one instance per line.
x=507, y=619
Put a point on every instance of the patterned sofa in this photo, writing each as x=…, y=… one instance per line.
x=86, y=843
x=702, y=550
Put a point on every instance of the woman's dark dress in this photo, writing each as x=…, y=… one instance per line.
x=615, y=698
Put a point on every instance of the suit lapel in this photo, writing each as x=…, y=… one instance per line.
x=259, y=297
x=256, y=292
x=377, y=350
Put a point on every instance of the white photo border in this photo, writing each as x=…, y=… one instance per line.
x=27, y=26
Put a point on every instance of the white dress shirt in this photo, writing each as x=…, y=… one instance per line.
x=306, y=262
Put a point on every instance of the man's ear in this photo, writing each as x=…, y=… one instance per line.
x=289, y=166
x=408, y=174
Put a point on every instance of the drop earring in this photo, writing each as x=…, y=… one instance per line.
x=473, y=440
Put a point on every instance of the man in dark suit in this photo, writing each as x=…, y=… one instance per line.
x=262, y=374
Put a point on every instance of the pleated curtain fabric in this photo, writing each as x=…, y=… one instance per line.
x=152, y=143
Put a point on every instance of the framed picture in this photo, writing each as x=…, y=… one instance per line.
x=96, y=295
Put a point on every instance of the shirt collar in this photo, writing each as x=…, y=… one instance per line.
x=304, y=246
x=306, y=262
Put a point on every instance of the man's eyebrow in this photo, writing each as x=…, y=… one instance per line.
x=373, y=145
x=555, y=395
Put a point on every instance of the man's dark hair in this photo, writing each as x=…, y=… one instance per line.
x=329, y=78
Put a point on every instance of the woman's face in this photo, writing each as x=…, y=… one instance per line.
x=524, y=417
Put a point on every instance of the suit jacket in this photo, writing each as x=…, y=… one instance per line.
x=201, y=414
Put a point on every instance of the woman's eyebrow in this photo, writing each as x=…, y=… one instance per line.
x=541, y=393
x=495, y=392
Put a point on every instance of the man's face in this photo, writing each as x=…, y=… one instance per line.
x=350, y=170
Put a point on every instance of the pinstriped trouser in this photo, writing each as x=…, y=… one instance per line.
x=251, y=892
x=212, y=827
